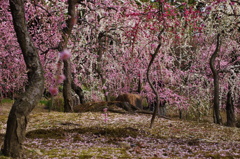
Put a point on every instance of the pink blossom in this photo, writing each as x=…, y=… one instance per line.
x=104, y=87
x=65, y=54
x=53, y=91
x=16, y=60
x=105, y=110
x=60, y=78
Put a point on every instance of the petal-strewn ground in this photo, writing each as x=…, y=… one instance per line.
x=94, y=135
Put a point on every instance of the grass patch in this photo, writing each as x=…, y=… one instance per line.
x=43, y=102
x=6, y=100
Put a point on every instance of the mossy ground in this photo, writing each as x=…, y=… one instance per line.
x=89, y=135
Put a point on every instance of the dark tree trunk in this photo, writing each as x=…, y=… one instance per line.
x=180, y=114
x=78, y=90
x=231, y=121
x=149, y=81
x=216, y=116
x=68, y=101
x=139, y=85
x=22, y=107
x=67, y=87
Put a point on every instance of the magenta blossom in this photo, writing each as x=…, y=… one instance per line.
x=53, y=91
x=60, y=79
x=65, y=54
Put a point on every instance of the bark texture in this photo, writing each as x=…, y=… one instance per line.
x=100, y=52
x=22, y=107
x=216, y=115
x=67, y=87
x=149, y=81
x=231, y=121
x=230, y=107
x=67, y=94
x=78, y=90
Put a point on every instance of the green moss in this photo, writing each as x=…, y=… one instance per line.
x=85, y=156
x=6, y=100
x=96, y=152
x=110, y=132
x=52, y=153
x=45, y=134
x=100, y=131
x=43, y=102
x=104, y=152
x=144, y=103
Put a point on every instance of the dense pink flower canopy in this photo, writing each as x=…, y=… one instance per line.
x=118, y=38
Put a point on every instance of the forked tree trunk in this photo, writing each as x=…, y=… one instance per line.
x=22, y=107
x=216, y=111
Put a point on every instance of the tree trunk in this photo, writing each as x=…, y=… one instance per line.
x=78, y=90
x=149, y=81
x=162, y=108
x=99, y=62
x=230, y=111
x=216, y=116
x=68, y=101
x=180, y=114
x=67, y=86
x=139, y=85
x=231, y=121
x=22, y=107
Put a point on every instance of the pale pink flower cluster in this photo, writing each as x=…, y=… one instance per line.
x=53, y=91
x=65, y=54
x=60, y=79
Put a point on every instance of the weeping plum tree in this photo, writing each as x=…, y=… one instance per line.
x=223, y=62
x=22, y=107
